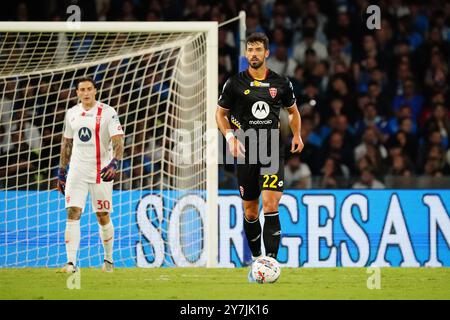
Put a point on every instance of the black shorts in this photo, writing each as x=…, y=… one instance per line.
x=252, y=179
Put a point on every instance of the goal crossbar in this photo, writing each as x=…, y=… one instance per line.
x=99, y=26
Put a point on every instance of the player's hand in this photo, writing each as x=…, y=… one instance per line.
x=236, y=147
x=62, y=174
x=108, y=173
x=297, y=144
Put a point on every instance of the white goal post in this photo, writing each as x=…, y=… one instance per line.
x=162, y=78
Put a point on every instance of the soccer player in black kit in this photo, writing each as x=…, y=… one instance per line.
x=251, y=100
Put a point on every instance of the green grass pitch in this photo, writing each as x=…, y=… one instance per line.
x=226, y=284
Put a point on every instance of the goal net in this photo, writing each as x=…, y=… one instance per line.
x=161, y=78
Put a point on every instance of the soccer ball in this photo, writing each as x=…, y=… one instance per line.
x=266, y=270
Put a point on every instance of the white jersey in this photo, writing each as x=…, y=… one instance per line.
x=91, y=132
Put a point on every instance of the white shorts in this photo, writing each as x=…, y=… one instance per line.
x=101, y=194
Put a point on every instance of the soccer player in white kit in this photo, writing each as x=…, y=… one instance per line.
x=93, y=145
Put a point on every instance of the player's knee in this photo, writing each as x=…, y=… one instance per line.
x=102, y=214
x=251, y=209
x=251, y=214
x=270, y=205
x=103, y=217
x=73, y=213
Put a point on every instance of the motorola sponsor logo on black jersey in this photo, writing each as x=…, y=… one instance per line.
x=260, y=111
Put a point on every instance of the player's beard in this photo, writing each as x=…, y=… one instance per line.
x=256, y=64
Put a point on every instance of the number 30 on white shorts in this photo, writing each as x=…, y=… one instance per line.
x=101, y=195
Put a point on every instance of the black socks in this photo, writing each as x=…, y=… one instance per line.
x=253, y=233
x=272, y=233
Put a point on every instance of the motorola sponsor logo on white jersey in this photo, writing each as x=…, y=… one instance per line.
x=84, y=134
x=260, y=110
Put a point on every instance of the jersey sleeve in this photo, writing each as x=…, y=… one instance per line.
x=114, y=126
x=68, y=131
x=288, y=97
x=227, y=98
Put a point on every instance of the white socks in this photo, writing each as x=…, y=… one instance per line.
x=72, y=239
x=107, y=236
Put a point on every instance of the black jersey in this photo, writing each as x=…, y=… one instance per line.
x=256, y=103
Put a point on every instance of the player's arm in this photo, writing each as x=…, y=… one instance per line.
x=67, y=143
x=226, y=100
x=117, y=142
x=222, y=120
x=66, y=153
x=295, y=123
x=223, y=123
x=116, y=133
x=108, y=173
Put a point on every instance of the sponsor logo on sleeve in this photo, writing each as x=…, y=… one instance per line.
x=235, y=122
x=273, y=92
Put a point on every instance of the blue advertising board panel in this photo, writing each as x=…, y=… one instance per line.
x=324, y=228
x=320, y=228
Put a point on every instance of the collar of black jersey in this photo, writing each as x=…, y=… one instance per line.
x=250, y=76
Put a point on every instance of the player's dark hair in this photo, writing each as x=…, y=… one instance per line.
x=84, y=79
x=258, y=37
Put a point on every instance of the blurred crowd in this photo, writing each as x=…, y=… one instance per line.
x=374, y=103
